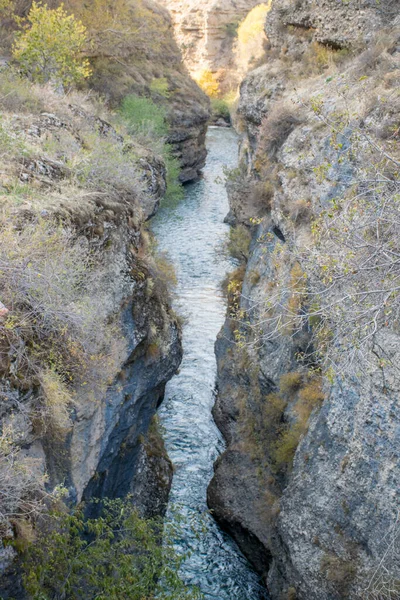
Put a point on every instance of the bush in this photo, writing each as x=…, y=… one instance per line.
x=50, y=46
x=160, y=86
x=107, y=165
x=208, y=82
x=117, y=555
x=143, y=115
x=261, y=195
x=147, y=120
x=57, y=320
x=174, y=191
x=22, y=482
x=291, y=593
x=239, y=242
x=275, y=129
x=220, y=109
x=340, y=572
x=17, y=95
x=232, y=29
x=285, y=448
x=290, y=382
x=58, y=402
x=311, y=396
x=301, y=212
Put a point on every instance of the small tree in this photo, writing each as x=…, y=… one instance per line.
x=49, y=48
x=118, y=555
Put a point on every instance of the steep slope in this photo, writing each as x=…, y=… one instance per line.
x=309, y=483
x=155, y=69
x=87, y=336
x=132, y=50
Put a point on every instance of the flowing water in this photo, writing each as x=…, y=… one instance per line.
x=193, y=233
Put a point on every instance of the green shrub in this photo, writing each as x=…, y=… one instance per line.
x=239, y=242
x=143, y=115
x=174, y=191
x=50, y=47
x=160, y=86
x=147, y=120
x=117, y=555
x=286, y=446
x=232, y=29
x=220, y=109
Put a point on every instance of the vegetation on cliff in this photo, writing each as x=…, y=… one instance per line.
x=117, y=555
x=312, y=376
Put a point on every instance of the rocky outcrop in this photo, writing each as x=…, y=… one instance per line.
x=105, y=441
x=337, y=25
x=316, y=513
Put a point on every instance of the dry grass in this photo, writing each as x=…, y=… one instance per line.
x=340, y=572
x=21, y=483
x=50, y=284
x=276, y=128
x=290, y=382
x=58, y=402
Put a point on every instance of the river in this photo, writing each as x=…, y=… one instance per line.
x=193, y=234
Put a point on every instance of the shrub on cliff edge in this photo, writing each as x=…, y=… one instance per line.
x=147, y=121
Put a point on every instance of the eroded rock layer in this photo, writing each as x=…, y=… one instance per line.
x=207, y=36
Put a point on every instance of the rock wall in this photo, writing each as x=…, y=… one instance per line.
x=207, y=34
x=318, y=518
x=108, y=444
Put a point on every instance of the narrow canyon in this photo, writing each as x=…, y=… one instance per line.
x=199, y=300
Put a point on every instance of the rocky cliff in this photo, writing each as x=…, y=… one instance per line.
x=207, y=35
x=308, y=404
x=87, y=336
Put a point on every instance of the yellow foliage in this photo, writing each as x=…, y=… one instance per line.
x=253, y=24
x=251, y=36
x=297, y=296
x=49, y=46
x=310, y=396
x=208, y=82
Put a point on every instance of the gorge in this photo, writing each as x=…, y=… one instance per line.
x=115, y=283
